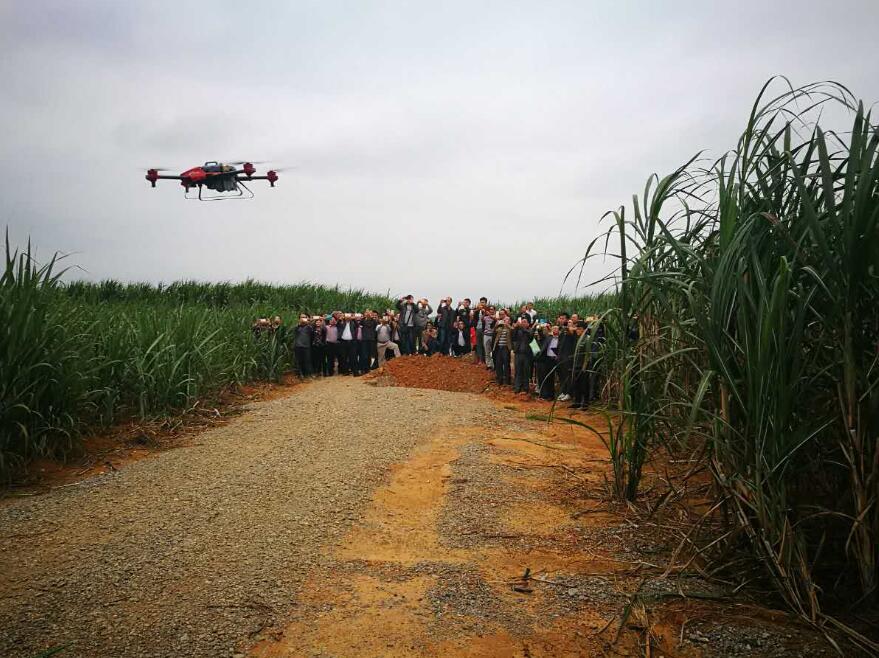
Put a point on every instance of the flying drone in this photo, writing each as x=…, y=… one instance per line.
x=224, y=178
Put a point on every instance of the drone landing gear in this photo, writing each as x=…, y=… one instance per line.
x=242, y=194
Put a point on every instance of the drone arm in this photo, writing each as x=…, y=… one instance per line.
x=271, y=177
x=153, y=175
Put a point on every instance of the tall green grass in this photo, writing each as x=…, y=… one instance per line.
x=754, y=284
x=80, y=355
x=587, y=304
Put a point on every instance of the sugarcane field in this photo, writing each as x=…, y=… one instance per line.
x=534, y=331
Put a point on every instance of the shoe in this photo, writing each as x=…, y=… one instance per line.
x=564, y=397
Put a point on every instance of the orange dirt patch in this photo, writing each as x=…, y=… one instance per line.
x=443, y=373
x=400, y=526
x=380, y=598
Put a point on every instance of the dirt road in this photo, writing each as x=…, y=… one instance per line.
x=351, y=519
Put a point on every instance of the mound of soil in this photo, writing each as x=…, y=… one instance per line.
x=460, y=375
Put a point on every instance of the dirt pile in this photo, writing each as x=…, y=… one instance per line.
x=460, y=375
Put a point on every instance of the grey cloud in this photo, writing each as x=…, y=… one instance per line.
x=450, y=148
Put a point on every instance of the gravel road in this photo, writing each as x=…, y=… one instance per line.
x=195, y=551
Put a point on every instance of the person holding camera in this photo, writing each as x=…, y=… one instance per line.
x=318, y=346
x=368, y=348
x=445, y=322
x=489, y=319
x=302, y=338
x=476, y=322
x=567, y=346
x=407, y=310
x=460, y=339
x=546, y=360
x=502, y=340
x=384, y=340
x=422, y=319
x=522, y=336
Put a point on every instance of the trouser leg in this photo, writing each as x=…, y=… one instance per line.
x=480, y=347
x=344, y=366
x=564, y=375
x=486, y=348
x=580, y=388
x=329, y=359
x=540, y=369
x=303, y=361
x=546, y=379
x=354, y=356
x=317, y=359
x=443, y=336
x=371, y=355
x=418, y=341
x=502, y=365
x=523, y=372
x=381, y=347
x=406, y=340
x=365, y=356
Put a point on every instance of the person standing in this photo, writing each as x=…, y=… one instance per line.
x=501, y=342
x=460, y=339
x=331, y=338
x=488, y=322
x=318, y=346
x=463, y=312
x=368, y=349
x=407, y=309
x=546, y=362
x=476, y=322
x=567, y=346
x=580, y=376
x=347, y=334
x=521, y=341
x=355, y=347
x=532, y=313
x=422, y=318
x=302, y=337
x=445, y=320
x=384, y=334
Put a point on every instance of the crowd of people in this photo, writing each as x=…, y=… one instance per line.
x=525, y=351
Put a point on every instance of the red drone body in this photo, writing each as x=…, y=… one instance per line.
x=220, y=177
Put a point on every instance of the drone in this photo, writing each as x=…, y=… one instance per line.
x=224, y=178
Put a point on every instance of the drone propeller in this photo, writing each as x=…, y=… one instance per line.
x=241, y=162
x=157, y=168
x=278, y=170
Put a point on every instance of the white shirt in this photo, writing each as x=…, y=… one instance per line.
x=346, y=334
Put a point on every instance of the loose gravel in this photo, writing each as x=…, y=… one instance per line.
x=197, y=550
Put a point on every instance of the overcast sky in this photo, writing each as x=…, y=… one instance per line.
x=460, y=148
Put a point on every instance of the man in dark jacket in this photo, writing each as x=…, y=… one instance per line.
x=408, y=309
x=546, y=361
x=476, y=321
x=522, y=337
x=348, y=345
x=566, y=347
x=445, y=321
x=318, y=346
x=302, y=337
x=422, y=319
x=463, y=312
x=581, y=375
x=460, y=339
x=502, y=338
x=368, y=350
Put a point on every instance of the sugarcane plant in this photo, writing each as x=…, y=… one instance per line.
x=754, y=285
